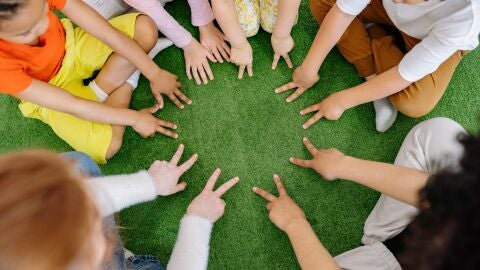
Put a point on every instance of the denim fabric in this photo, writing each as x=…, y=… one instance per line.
x=117, y=260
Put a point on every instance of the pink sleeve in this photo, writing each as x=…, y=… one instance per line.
x=165, y=23
x=202, y=13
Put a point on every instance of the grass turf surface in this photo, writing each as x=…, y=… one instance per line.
x=244, y=128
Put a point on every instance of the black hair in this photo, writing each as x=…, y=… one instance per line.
x=9, y=8
x=446, y=233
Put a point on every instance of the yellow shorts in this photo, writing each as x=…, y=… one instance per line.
x=84, y=55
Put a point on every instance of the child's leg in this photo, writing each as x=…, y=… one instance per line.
x=268, y=14
x=430, y=146
x=108, y=8
x=248, y=13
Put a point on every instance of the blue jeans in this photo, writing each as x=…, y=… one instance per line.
x=117, y=261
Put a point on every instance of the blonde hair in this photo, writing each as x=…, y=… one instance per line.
x=46, y=216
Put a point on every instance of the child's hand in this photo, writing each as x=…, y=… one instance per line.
x=214, y=40
x=166, y=174
x=167, y=83
x=283, y=211
x=147, y=125
x=326, y=162
x=281, y=48
x=196, y=62
x=242, y=57
x=209, y=203
x=330, y=108
x=302, y=80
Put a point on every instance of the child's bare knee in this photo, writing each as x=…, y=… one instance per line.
x=146, y=32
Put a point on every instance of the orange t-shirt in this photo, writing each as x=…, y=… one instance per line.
x=21, y=63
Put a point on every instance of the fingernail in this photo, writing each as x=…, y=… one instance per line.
x=301, y=113
x=181, y=145
x=304, y=127
x=182, y=107
x=254, y=188
x=176, y=136
x=290, y=159
x=175, y=126
x=275, y=175
x=189, y=102
x=288, y=100
x=304, y=139
x=276, y=91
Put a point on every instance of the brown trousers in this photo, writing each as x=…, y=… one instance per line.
x=373, y=51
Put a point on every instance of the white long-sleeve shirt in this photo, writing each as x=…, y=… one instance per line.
x=443, y=26
x=114, y=193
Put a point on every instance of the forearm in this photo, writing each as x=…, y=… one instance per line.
x=330, y=32
x=114, y=193
x=164, y=21
x=202, y=13
x=310, y=252
x=226, y=16
x=192, y=246
x=397, y=182
x=381, y=86
x=57, y=99
x=287, y=14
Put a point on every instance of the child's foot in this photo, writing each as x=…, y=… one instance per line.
x=162, y=43
x=385, y=114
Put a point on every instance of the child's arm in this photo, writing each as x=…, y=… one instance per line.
x=306, y=75
x=49, y=96
x=196, y=55
x=210, y=37
x=241, y=52
x=289, y=217
x=401, y=183
x=161, y=81
x=282, y=41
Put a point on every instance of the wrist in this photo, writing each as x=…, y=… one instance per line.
x=294, y=224
x=346, y=165
x=345, y=99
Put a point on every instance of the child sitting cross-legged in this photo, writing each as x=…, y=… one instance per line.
x=44, y=62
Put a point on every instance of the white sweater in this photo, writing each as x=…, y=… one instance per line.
x=114, y=193
x=443, y=26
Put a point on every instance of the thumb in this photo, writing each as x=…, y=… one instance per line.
x=159, y=99
x=180, y=187
x=153, y=109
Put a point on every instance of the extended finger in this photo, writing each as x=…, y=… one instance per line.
x=264, y=194
x=276, y=57
x=312, y=120
x=310, y=109
x=285, y=87
x=167, y=124
x=212, y=180
x=188, y=164
x=280, y=187
x=207, y=68
x=296, y=94
x=226, y=186
x=159, y=99
x=167, y=132
x=241, y=70
x=250, y=70
x=195, y=76
x=203, y=74
x=310, y=147
x=189, y=72
x=154, y=108
x=211, y=57
x=182, y=96
x=288, y=60
x=180, y=187
x=225, y=52
x=300, y=162
x=217, y=55
x=178, y=154
x=175, y=100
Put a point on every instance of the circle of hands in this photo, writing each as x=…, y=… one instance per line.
x=283, y=211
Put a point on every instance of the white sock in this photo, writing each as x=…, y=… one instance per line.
x=101, y=95
x=385, y=114
x=162, y=43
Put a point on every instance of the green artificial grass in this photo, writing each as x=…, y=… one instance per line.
x=244, y=128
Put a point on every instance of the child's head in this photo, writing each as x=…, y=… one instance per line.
x=47, y=219
x=446, y=235
x=22, y=21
